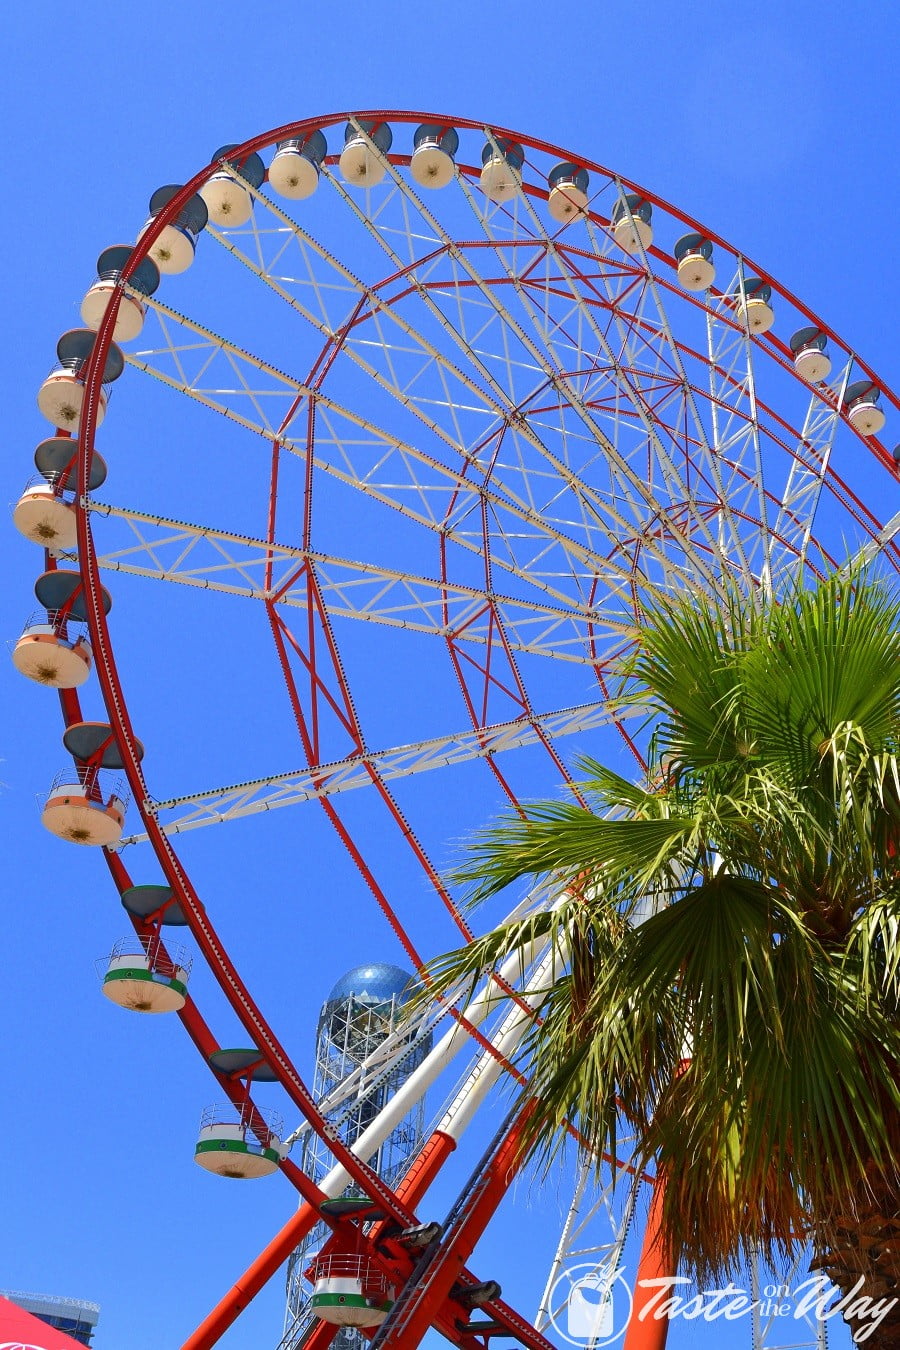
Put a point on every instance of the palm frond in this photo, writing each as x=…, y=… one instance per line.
x=725, y=934
x=567, y=841
x=829, y=665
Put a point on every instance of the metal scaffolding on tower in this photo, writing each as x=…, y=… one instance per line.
x=360, y=1064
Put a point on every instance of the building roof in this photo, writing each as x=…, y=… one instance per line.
x=377, y=982
x=22, y=1329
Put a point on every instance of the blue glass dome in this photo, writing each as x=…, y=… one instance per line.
x=375, y=983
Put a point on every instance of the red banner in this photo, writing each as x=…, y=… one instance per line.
x=19, y=1330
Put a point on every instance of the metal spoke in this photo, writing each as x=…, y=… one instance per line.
x=216, y=560
x=603, y=519
x=326, y=780
x=799, y=505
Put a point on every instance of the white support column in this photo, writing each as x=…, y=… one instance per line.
x=484, y=1073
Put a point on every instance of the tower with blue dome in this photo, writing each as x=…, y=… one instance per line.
x=362, y=1011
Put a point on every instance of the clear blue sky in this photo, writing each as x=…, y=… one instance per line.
x=773, y=123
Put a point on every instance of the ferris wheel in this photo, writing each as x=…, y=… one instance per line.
x=413, y=417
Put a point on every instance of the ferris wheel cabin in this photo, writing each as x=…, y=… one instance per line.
x=143, y=976
x=501, y=169
x=433, y=164
x=752, y=302
x=232, y=1148
x=54, y=651
x=143, y=282
x=48, y=656
x=350, y=1291
x=568, y=192
x=811, y=360
x=693, y=257
x=77, y=811
x=174, y=248
x=295, y=168
x=226, y=193
x=44, y=517
x=362, y=160
x=861, y=403
x=61, y=396
x=631, y=223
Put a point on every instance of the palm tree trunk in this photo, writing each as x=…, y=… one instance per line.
x=862, y=1258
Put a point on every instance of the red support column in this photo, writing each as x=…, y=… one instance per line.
x=321, y=1336
x=253, y=1279
x=257, y=1275
x=425, y=1302
x=644, y=1331
x=424, y=1168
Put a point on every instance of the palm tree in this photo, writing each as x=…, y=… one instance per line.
x=729, y=935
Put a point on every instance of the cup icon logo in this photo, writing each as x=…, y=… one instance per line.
x=590, y=1314
x=590, y=1305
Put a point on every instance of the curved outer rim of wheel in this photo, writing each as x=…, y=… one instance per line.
x=108, y=677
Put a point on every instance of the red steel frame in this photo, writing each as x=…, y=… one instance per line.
x=318, y=688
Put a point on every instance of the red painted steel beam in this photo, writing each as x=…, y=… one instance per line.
x=254, y=1278
x=421, y=1305
x=644, y=1331
x=512, y=687
x=190, y=1016
x=410, y=1190
x=448, y=1316
x=305, y=717
x=236, y=992
x=321, y=1336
